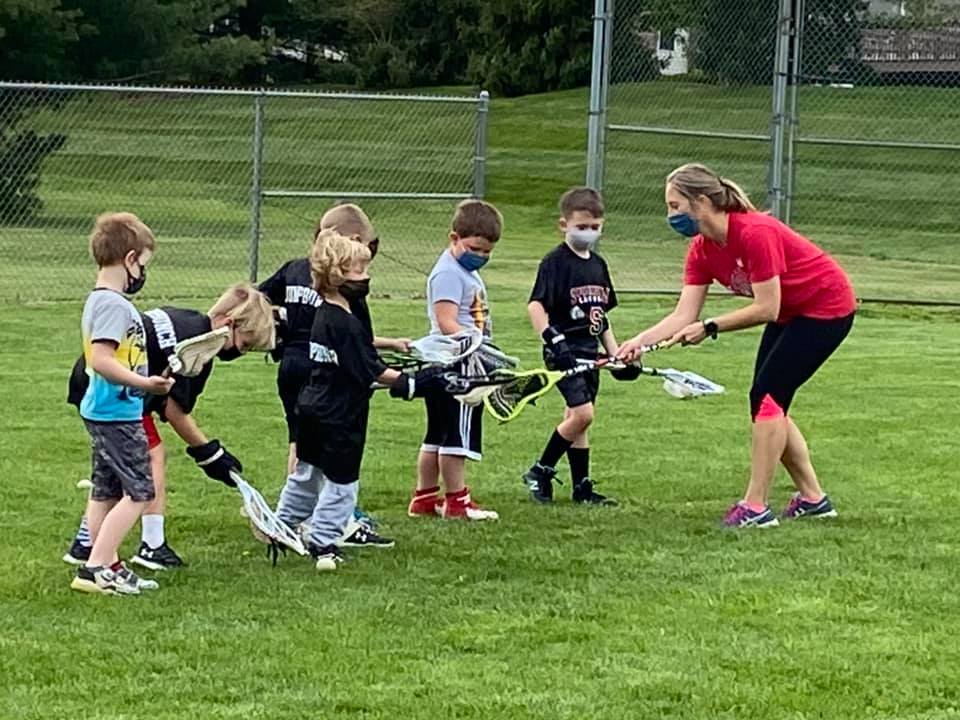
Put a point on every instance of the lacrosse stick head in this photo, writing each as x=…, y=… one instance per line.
x=685, y=384
x=191, y=355
x=264, y=524
x=446, y=349
x=507, y=400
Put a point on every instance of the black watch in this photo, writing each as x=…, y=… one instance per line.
x=711, y=328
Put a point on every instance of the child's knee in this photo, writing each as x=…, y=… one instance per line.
x=581, y=416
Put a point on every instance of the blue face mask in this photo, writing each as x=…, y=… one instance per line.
x=471, y=261
x=684, y=224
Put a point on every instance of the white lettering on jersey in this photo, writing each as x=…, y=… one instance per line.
x=300, y=295
x=322, y=354
x=163, y=325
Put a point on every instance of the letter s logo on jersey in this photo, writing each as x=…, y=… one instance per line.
x=596, y=320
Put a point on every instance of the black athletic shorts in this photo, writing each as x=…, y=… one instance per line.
x=579, y=389
x=292, y=375
x=452, y=427
x=790, y=354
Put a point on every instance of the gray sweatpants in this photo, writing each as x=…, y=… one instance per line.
x=328, y=505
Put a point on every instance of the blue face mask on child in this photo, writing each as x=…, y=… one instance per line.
x=471, y=261
x=684, y=224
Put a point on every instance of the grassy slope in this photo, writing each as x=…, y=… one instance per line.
x=184, y=164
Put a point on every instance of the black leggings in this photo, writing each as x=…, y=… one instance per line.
x=790, y=354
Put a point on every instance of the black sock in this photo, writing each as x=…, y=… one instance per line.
x=579, y=464
x=555, y=449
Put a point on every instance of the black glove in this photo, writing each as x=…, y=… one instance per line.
x=215, y=461
x=426, y=381
x=556, y=352
x=626, y=373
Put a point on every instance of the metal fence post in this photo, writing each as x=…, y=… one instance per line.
x=256, y=185
x=605, y=92
x=781, y=67
x=793, y=121
x=480, y=146
x=595, y=117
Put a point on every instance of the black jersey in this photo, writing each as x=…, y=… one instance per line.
x=343, y=367
x=577, y=294
x=334, y=404
x=292, y=288
x=164, y=328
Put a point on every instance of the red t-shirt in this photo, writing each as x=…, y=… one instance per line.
x=760, y=247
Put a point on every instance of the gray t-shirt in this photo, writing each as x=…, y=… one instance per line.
x=108, y=315
x=450, y=281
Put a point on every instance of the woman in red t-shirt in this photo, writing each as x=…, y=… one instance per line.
x=800, y=294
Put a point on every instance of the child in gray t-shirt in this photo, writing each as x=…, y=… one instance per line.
x=114, y=346
x=456, y=301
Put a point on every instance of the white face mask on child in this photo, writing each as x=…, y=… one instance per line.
x=583, y=239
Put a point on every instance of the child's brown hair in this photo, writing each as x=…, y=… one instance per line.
x=332, y=257
x=116, y=234
x=583, y=199
x=477, y=218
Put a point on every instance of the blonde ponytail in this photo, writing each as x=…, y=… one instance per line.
x=693, y=180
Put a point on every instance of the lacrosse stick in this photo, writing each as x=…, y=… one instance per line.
x=480, y=391
x=513, y=391
x=264, y=524
x=435, y=350
x=678, y=383
x=191, y=355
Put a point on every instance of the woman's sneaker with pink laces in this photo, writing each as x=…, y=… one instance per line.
x=798, y=508
x=741, y=516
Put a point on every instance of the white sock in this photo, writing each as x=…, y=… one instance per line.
x=152, y=530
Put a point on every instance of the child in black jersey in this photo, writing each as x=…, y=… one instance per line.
x=568, y=308
x=291, y=288
x=333, y=406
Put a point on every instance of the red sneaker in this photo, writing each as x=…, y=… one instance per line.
x=461, y=506
x=425, y=503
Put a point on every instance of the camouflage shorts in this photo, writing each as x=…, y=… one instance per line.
x=121, y=461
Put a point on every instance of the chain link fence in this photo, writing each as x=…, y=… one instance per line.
x=840, y=116
x=232, y=182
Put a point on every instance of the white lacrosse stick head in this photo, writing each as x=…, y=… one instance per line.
x=191, y=355
x=675, y=389
x=446, y=349
x=686, y=384
x=264, y=524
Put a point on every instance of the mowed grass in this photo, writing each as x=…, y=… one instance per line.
x=184, y=163
x=648, y=610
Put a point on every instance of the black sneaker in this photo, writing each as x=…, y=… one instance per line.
x=329, y=557
x=359, y=535
x=539, y=481
x=159, y=558
x=78, y=554
x=584, y=495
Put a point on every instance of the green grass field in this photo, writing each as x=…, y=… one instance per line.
x=648, y=610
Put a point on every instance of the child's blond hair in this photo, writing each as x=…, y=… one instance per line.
x=348, y=220
x=252, y=314
x=332, y=257
x=115, y=234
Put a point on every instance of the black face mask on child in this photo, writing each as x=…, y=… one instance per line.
x=228, y=354
x=355, y=289
x=135, y=284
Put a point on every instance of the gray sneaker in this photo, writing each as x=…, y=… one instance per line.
x=103, y=580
